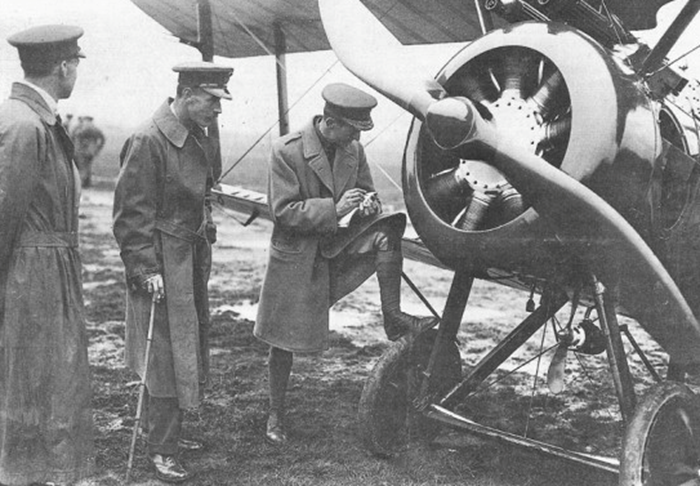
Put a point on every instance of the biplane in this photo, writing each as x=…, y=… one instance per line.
x=555, y=152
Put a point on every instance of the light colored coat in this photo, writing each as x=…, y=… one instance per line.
x=306, y=273
x=45, y=415
x=160, y=211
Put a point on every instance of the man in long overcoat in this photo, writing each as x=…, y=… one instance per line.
x=318, y=178
x=162, y=222
x=45, y=414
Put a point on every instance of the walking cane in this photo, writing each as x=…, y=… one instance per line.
x=142, y=387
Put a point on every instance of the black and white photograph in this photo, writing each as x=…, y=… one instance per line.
x=350, y=242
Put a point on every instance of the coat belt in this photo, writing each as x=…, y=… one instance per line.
x=48, y=239
x=180, y=232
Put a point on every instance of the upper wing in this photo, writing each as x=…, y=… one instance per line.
x=245, y=28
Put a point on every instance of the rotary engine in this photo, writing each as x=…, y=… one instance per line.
x=555, y=93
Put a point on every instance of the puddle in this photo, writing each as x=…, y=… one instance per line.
x=365, y=327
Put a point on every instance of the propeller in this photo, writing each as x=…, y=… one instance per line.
x=603, y=237
x=375, y=56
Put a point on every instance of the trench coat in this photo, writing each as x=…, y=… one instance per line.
x=161, y=210
x=45, y=415
x=307, y=271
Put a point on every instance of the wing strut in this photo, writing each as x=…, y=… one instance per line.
x=281, y=68
x=205, y=31
x=205, y=45
x=656, y=57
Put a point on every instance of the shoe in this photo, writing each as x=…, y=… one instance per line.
x=275, y=433
x=169, y=469
x=402, y=324
x=189, y=445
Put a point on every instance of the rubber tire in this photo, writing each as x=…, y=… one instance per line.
x=386, y=415
x=653, y=437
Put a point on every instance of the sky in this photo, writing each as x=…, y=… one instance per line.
x=128, y=70
x=128, y=73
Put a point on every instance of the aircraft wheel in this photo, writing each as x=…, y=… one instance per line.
x=662, y=441
x=387, y=416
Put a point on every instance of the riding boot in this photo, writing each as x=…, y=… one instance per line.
x=396, y=323
x=280, y=366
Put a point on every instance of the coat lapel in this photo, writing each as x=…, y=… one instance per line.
x=169, y=125
x=344, y=166
x=314, y=153
x=34, y=100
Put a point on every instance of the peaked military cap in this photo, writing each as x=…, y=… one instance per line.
x=47, y=43
x=208, y=76
x=349, y=104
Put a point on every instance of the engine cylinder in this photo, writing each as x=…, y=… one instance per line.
x=572, y=104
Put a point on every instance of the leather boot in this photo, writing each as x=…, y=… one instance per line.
x=275, y=433
x=397, y=323
x=169, y=469
x=280, y=366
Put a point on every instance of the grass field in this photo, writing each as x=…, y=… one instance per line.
x=325, y=447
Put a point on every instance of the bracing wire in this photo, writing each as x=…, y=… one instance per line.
x=303, y=95
x=534, y=384
x=608, y=14
x=679, y=58
x=276, y=123
x=376, y=164
x=250, y=149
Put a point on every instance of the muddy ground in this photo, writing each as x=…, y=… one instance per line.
x=325, y=448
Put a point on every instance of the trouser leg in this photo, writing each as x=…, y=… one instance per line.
x=164, y=425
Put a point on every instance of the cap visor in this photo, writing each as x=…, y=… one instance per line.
x=219, y=93
x=362, y=125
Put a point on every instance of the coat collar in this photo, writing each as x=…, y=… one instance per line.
x=25, y=93
x=344, y=163
x=169, y=125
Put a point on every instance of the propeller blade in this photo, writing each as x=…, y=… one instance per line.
x=615, y=250
x=555, y=373
x=376, y=56
x=601, y=236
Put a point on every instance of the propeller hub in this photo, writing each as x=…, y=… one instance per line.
x=516, y=119
x=452, y=122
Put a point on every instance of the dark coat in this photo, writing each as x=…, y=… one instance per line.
x=45, y=414
x=306, y=274
x=160, y=212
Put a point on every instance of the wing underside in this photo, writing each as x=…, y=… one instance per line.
x=245, y=28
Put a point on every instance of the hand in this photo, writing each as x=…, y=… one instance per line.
x=154, y=285
x=349, y=201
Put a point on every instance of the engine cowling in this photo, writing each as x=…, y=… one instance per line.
x=558, y=94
